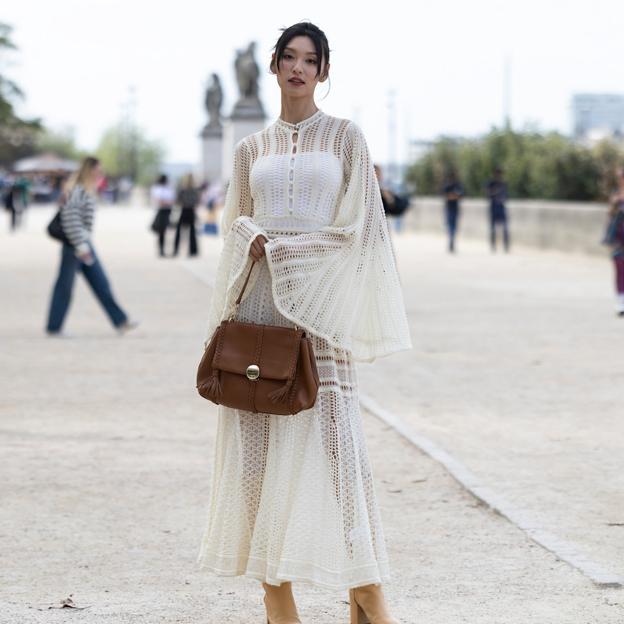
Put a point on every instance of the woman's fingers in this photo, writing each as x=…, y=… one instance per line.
x=252, y=250
x=261, y=241
x=256, y=250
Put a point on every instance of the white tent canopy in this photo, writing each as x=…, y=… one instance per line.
x=45, y=163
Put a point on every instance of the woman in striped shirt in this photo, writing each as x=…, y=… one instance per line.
x=77, y=222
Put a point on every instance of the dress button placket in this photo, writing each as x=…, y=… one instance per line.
x=291, y=171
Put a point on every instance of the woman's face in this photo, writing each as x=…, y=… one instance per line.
x=96, y=174
x=296, y=74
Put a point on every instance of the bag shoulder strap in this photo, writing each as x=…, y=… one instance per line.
x=240, y=297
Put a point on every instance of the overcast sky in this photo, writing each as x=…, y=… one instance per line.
x=445, y=60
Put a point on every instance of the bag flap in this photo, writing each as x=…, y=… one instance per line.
x=274, y=350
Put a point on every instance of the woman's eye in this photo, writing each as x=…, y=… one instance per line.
x=312, y=61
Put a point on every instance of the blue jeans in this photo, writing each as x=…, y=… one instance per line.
x=95, y=276
x=451, y=226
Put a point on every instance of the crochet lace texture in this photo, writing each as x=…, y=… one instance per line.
x=292, y=496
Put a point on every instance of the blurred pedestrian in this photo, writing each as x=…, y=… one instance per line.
x=16, y=198
x=614, y=237
x=9, y=201
x=188, y=199
x=212, y=199
x=124, y=187
x=21, y=196
x=77, y=214
x=163, y=198
x=497, y=194
x=453, y=191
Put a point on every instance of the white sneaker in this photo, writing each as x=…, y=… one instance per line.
x=127, y=326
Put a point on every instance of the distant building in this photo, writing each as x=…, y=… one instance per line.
x=598, y=116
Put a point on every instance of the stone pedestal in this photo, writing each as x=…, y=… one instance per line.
x=247, y=117
x=212, y=154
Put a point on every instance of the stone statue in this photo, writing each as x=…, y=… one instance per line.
x=248, y=105
x=213, y=102
x=247, y=73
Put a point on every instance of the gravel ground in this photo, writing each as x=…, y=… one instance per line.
x=106, y=448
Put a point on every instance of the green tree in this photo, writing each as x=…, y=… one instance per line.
x=544, y=166
x=608, y=157
x=17, y=136
x=59, y=142
x=124, y=150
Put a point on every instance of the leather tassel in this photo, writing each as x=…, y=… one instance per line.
x=213, y=386
x=281, y=393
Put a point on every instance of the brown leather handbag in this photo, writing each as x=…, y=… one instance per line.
x=258, y=368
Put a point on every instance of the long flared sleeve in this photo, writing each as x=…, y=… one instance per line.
x=239, y=231
x=341, y=282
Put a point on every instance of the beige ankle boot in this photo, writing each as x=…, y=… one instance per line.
x=280, y=604
x=368, y=606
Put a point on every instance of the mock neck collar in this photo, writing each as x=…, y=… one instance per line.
x=304, y=122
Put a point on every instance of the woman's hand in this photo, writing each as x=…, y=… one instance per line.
x=257, y=248
x=86, y=257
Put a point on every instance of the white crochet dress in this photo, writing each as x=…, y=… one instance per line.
x=292, y=496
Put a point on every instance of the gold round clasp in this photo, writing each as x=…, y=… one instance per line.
x=253, y=372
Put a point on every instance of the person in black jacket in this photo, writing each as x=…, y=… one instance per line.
x=453, y=191
x=188, y=198
x=496, y=190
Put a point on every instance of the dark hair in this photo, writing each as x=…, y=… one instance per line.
x=302, y=29
x=162, y=179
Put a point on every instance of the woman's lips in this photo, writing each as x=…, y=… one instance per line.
x=296, y=82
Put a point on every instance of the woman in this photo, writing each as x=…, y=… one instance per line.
x=292, y=496
x=163, y=197
x=77, y=220
x=614, y=237
x=188, y=198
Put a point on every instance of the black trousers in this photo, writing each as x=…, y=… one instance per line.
x=161, y=223
x=499, y=219
x=187, y=220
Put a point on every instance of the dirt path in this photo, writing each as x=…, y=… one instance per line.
x=106, y=452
